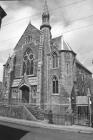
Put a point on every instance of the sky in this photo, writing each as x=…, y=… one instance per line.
x=71, y=18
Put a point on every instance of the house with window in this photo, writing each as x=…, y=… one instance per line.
x=43, y=70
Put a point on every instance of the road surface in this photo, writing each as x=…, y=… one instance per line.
x=63, y=135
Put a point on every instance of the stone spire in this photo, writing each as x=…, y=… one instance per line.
x=45, y=8
x=45, y=16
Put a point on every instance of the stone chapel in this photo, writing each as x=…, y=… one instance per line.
x=44, y=71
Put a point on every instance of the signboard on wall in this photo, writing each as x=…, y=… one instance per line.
x=82, y=101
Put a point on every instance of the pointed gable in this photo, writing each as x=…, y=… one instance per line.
x=30, y=30
x=24, y=81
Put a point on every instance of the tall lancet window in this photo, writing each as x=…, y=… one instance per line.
x=55, y=85
x=28, y=65
x=55, y=60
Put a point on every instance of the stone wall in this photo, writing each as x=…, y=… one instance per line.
x=83, y=79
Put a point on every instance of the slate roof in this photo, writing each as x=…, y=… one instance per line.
x=31, y=80
x=81, y=65
x=61, y=44
x=65, y=46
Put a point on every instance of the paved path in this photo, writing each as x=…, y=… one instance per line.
x=30, y=130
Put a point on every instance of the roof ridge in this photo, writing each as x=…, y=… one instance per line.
x=68, y=45
x=77, y=61
x=65, y=46
x=57, y=37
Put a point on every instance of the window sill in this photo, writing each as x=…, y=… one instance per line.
x=55, y=94
x=31, y=75
x=55, y=68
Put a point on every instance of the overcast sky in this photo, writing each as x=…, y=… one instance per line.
x=71, y=18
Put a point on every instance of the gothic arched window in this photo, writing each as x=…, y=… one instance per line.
x=28, y=66
x=55, y=85
x=55, y=60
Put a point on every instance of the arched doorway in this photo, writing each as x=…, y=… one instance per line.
x=25, y=93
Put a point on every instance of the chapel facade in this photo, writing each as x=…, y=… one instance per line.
x=44, y=70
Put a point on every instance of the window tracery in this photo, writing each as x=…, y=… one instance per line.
x=28, y=64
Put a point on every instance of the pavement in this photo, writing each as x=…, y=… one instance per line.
x=29, y=125
x=69, y=128
x=81, y=129
x=73, y=128
x=32, y=130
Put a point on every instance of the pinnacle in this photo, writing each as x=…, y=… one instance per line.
x=45, y=8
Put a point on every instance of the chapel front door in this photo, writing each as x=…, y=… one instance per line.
x=25, y=94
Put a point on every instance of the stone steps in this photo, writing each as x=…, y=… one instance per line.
x=36, y=111
x=28, y=112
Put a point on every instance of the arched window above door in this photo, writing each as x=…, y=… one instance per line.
x=28, y=64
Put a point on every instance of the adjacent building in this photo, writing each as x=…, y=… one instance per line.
x=45, y=71
x=2, y=15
